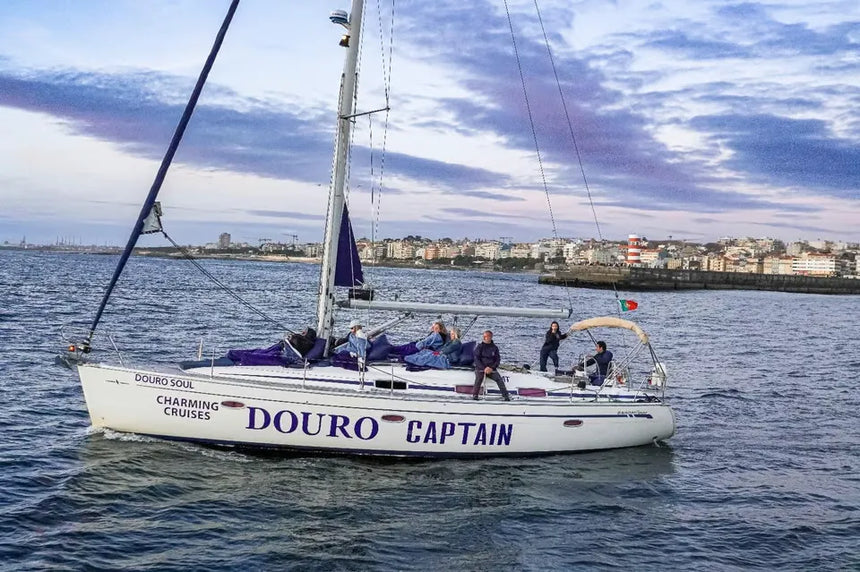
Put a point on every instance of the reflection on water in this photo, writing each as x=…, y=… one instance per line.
x=762, y=472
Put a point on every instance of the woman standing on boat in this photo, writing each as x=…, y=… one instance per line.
x=550, y=346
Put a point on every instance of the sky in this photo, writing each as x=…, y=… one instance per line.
x=690, y=120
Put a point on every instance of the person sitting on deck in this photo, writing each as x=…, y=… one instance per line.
x=303, y=342
x=443, y=358
x=357, y=342
x=602, y=358
x=437, y=337
x=354, y=355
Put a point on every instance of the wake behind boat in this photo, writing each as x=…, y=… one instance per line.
x=373, y=403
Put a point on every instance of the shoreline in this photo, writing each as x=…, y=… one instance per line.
x=631, y=279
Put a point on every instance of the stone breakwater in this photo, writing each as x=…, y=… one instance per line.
x=643, y=279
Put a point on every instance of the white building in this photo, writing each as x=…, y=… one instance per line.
x=600, y=256
x=570, y=251
x=521, y=250
x=449, y=251
x=488, y=250
x=400, y=250
x=777, y=265
x=649, y=257
x=821, y=244
x=544, y=249
x=811, y=264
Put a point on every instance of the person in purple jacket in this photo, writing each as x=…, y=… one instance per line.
x=487, y=359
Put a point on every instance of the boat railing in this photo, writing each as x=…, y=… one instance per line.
x=116, y=349
x=625, y=372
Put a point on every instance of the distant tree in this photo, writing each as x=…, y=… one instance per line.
x=515, y=263
x=461, y=260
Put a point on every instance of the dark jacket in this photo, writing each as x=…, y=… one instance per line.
x=486, y=355
x=602, y=360
x=304, y=342
x=552, y=340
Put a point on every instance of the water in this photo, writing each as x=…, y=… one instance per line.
x=763, y=472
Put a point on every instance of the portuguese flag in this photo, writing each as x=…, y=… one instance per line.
x=628, y=305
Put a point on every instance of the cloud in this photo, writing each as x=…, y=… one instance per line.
x=285, y=214
x=791, y=152
x=140, y=110
x=620, y=152
x=475, y=213
x=698, y=48
x=692, y=109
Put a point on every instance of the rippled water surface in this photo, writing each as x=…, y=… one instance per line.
x=763, y=472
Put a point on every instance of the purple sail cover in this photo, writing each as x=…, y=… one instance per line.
x=273, y=355
x=347, y=271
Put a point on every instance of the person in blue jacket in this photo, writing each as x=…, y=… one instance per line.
x=550, y=346
x=435, y=340
x=357, y=342
x=487, y=360
x=602, y=358
x=443, y=358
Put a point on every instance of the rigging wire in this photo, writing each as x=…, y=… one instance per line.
x=567, y=117
x=534, y=133
x=376, y=196
x=573, y=139
x=190, y=257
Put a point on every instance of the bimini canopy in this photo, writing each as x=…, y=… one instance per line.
x=610, y=322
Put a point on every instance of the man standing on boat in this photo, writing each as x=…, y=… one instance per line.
x=487, y=359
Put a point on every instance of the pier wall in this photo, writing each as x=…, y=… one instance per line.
x=642, y=279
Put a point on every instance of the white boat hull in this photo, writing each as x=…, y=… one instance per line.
x=338, y=411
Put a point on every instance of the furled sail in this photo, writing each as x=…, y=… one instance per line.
x=347, y=271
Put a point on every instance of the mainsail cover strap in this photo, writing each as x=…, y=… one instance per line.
x=427, y=308
x=610, y=322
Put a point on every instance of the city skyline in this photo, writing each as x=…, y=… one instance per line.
x=692, y=121
x=229, y=243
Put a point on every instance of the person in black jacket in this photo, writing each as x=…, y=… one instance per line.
x=550, y=346
x=602, y=357
x=305, y=341
x=487, y=359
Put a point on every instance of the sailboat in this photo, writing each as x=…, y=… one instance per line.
x=383, y=406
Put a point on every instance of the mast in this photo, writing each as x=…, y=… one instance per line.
x=350, y=40
x=151, y=211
